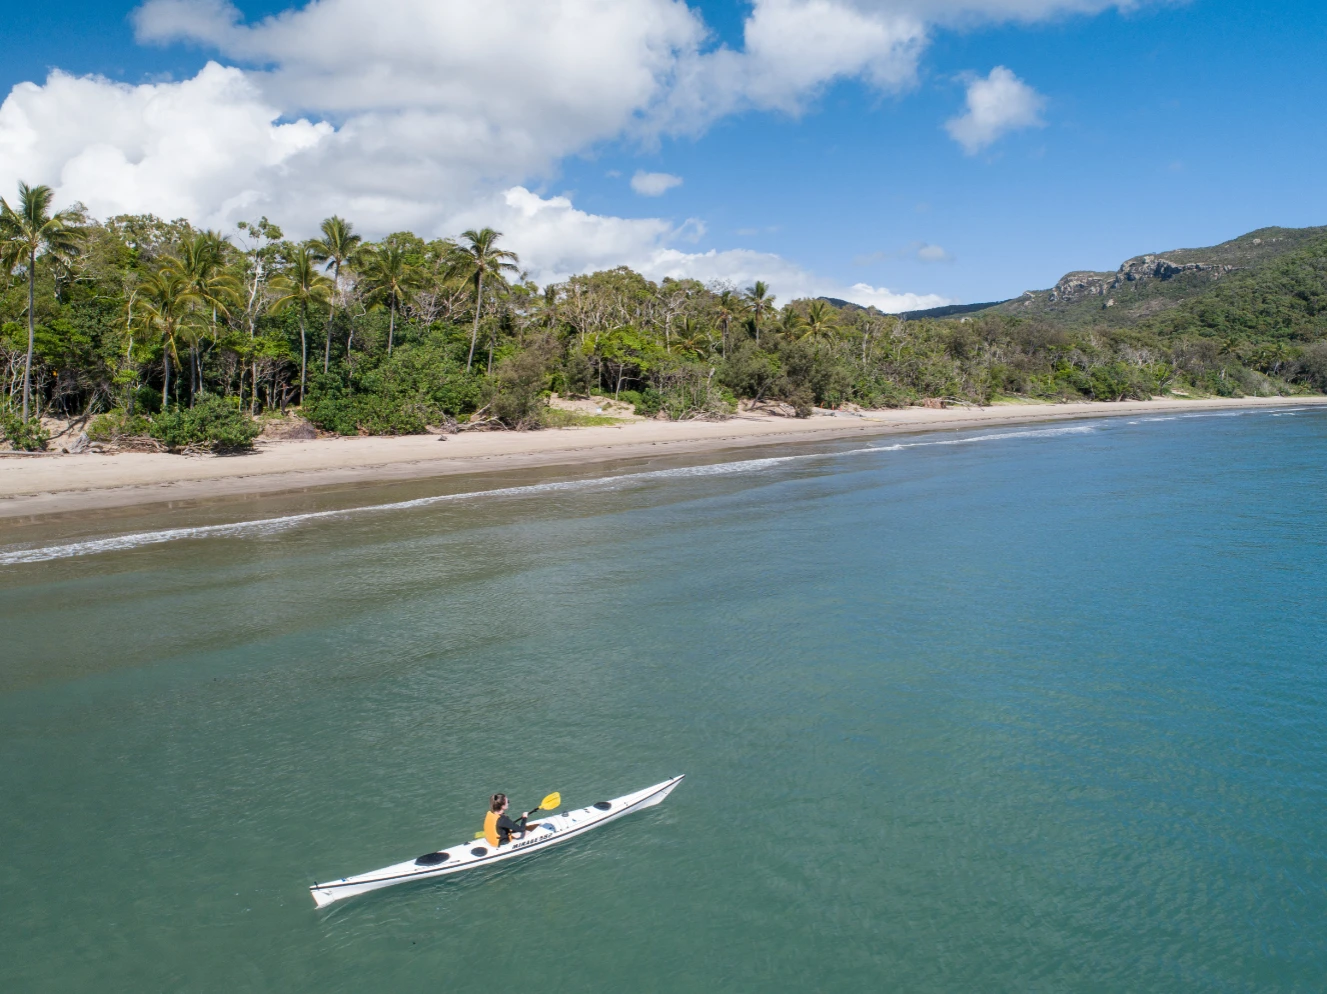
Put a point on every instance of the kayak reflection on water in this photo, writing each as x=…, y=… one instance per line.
x=500, y=829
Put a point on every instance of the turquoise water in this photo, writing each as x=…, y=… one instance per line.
x=1025, y=709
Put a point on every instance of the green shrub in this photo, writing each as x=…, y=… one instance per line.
x=632, y=397
x=650, y=402
x=331, y=406
x=519, y=387
x=25, y=436
x=1312, y=366
x=379, y=415
x=684, y=389
x=689, y=400
x=418, y=386
x=1071, y=382
x=104, y=427
x=117, y=424
x=214, y=423
x=1117, y=381
x=803, y=402
x=1003, y=379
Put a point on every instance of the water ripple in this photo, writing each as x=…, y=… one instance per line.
x=269, y=526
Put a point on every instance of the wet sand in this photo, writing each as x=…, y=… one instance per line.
x=60, y=484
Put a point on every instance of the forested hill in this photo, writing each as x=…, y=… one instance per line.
x=1270, y=284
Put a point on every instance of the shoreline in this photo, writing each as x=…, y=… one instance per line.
x=63, y=484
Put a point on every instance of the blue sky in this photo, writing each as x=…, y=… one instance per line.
x=1167, y=125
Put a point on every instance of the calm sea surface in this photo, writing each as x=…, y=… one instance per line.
x=1035, y=709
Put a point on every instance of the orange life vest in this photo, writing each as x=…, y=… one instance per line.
x=491, y=828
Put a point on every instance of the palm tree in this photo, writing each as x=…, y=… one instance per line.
x=480, y=259
x=759, y=302
x=28, y=233
x=302, y=286
x=691, y=337
x=388, y=278
x=791, y=322
x=199, y=262
x=168, y=302
x=337, y=246
x=131, y=291
x=730, y=306
x=821, y=321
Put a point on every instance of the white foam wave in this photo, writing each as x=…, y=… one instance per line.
x=1036, y=433
x=271, y=526
x=1243, y=412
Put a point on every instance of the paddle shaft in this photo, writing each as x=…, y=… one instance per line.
x=539, y=807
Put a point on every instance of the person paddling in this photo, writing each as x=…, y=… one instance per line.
x=498, y=827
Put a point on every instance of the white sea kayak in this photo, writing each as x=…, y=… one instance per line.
x=468, y=855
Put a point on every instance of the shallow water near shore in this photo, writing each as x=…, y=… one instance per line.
x=1016, y=709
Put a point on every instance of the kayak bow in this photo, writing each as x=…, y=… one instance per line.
x=468, y=855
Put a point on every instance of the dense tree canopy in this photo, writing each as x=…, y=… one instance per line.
x=139, y=317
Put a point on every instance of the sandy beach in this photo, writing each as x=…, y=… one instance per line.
x=56, y=483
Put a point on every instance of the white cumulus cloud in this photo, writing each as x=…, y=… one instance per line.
x=889, y=301
x=791, y=50
x=654, y=184
x=413, y=113
x=996, y=104
x=556, y=240
x=206, y=148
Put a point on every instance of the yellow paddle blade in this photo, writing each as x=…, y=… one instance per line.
x=551, y=802
x=479, y=835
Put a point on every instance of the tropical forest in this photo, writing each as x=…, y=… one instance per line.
x=159, y=330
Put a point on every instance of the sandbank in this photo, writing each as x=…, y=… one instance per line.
x=59, y=484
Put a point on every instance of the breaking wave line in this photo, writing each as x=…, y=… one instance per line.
x=270, y=526
x=1071, y=430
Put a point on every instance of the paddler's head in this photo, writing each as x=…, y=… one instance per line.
x=498, y=804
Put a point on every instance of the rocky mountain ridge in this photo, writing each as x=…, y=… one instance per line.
x=1075, y=286
x=1149, y=284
